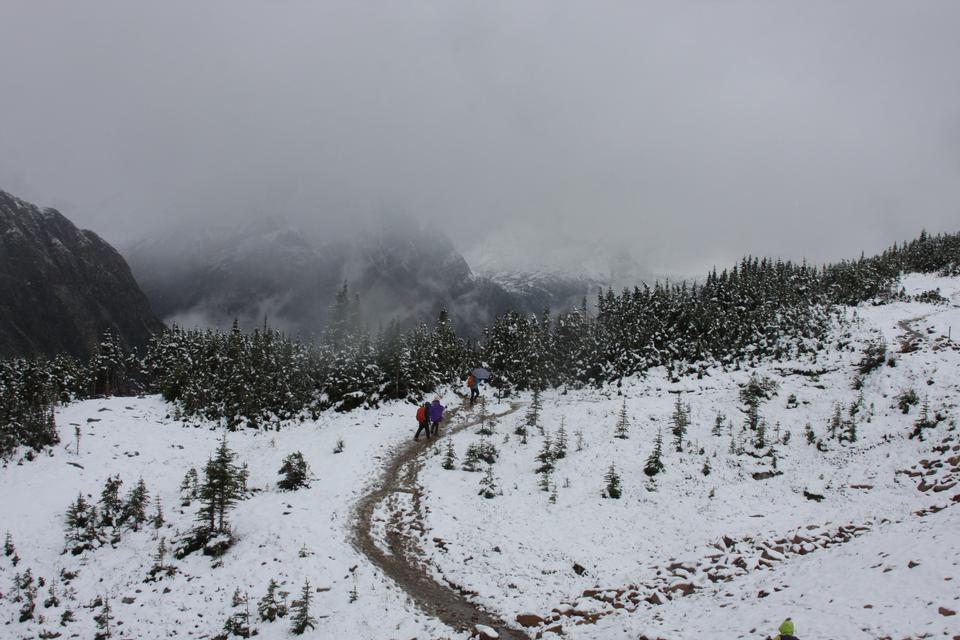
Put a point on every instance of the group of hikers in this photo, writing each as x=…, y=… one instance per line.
x=430, y=414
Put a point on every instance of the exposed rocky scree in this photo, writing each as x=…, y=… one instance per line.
x=61, y=287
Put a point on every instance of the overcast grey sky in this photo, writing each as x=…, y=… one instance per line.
x=688, y=132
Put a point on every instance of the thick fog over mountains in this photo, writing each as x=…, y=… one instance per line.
x=682, y=134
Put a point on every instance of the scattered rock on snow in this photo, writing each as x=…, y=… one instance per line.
x=529, y=620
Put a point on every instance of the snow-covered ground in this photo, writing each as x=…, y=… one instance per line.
x=869, y=560
x=134, y=438
x=517, y=551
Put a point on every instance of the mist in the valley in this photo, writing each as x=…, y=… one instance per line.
x=536, y=135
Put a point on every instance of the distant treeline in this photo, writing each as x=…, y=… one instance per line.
x=760, y=308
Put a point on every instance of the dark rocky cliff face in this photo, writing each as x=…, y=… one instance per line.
x=61, y=287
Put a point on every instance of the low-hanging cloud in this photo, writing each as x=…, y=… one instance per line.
x=688, y=133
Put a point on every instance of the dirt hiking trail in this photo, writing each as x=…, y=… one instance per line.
x=402, y=562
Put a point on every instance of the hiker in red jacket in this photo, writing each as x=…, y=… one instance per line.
x=423, y=417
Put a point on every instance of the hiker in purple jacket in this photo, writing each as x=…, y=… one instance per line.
x=436, y=414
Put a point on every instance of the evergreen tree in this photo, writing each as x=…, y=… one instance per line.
x=134, y=512
x=923, y=421
x=611, y=483
x=560, y=444
x=546, y=480
x=159, y=559
x=449, y=457
x=157, y=521
x=295, y=473
x=80, y=521
x=622, y=429
x=580, y=443
x=545, y=456
x=679, y=422
x=717, y=425
x=533, y=413
x=221, y=489
x=53, y=598
x=488, y=484
x=111, y=506
x=270, y=607
x=836, y=422
x=809, y=434
x=850, y=429
x=483, y=419
x=706, y=468
x=654, y=463
x=190, y=486
x=238, y=623
x=27, y=590
x=8, y=549
x=300, y=616
x=103, y=621
x=471, y=460
x=760, y=440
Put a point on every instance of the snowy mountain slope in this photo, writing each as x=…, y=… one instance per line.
x=135, y=438
x=518, y=551
x=594, y=561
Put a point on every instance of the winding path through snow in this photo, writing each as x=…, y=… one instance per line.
x=401, y=560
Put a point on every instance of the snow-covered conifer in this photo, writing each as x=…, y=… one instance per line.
x=295, y=473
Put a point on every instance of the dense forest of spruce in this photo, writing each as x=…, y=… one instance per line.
x=760, y=308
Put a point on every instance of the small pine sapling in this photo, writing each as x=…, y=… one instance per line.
x=354, y=593
x=580, y=442
x=300, y=618
x=270, y=607
x=189, y=487
x=27, y=594
x=488, y=484
x=717, y=429
x=533, y=412
x=760, y=439
x=835, y=425
x=8, y=549
x=654, y=464
x=483, y=419
x=545, y=456
x=706, y=468
x=53, y=597
x=546, y=480
x=809, y=434
x=157, y=520
x=102, y=620
x=238, y=623
x=923, y=421
x=295, y=473
x=560, y=444
x=679, y=422
x=134, y=512
x=110, y=504
x=622, y=429
x=449, y=457
x=611, y=482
